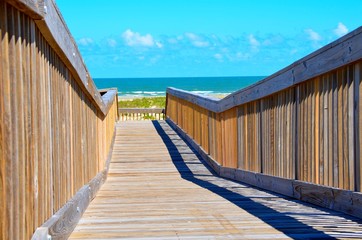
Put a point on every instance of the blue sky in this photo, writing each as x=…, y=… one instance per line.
x=195, y=38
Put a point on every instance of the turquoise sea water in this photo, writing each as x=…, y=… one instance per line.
x=148, y=87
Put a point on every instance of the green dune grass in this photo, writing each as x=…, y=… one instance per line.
x=146, y=102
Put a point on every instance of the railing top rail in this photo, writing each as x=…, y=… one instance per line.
x=207, y=102
x=54, y=29
x=343, y=51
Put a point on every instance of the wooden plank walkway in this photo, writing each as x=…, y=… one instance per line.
x=158, y=188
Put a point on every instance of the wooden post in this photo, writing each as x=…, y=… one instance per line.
x=358, y=126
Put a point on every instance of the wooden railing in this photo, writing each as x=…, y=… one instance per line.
x=301, y=125
x=139, y=114
x=56, y=130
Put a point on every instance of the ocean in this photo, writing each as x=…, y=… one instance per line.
x=152, y=87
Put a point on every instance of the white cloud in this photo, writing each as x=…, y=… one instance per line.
x=314, y=36
x=218, y=56
x=273, y=40
x=159, y=45
x=340, y=30
x=200, y=43
x=293, y=51
x=85, y=41
x=242, y=56
x=112, y=42
x=253, y=42
x=196, y=40
x=136, y=39
x=192, y=36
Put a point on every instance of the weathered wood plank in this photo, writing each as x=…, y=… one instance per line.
x=5, y=117
x=358, y=124
x=47, y=122
x=350, y=178
x=324, y=196
x=229, y=138
x=160, y=189
x=31, y=8
x=63, y=222
x=56, y=32
x=14, y=140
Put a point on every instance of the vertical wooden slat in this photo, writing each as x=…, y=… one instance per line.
x=312, y=132
x=330, y=131
x=351, y=129
x=316, y=129
x=339, y=127
x=2, y=160
x=358, y=122
x=325, y=131
x=345, y=139
x=218, y=139
x=6, y=204
x=21, y=122
x=294, y=133
x=278, y=135
x=229, y=138
x=241, y=144
x=321, y=131
x=29, y=186
x=298, y=135
x=263, y=134
x=14, y=165
x=34, y=125
x=304, y=131
x=246, y=136
x=335, y=129
x=37, y=102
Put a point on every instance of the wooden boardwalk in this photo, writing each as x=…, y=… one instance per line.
x=158, y=188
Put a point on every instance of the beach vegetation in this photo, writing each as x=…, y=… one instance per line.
x=145, y=102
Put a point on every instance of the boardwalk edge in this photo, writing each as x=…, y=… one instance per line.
x=336, y=199
x=62, y=223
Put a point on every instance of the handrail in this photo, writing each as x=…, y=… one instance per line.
x=343, y=51
x=297, y=132
x=51, y=24
x=56, y=129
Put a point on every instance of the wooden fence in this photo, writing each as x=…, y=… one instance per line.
x=56, y=130
x=140, y=114
x=302, y=123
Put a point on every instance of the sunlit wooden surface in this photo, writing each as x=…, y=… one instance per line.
x=158, y=188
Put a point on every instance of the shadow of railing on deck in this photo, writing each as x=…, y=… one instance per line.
x=286, y=224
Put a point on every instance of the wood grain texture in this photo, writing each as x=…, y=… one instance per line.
x=229, y=138
x=328, y=197
x=53, y=138
x=160, y=189
x=131, y=114
x=53, y=27
x=56, y=32
x=358, y=124
x=31, y=8
x=63, y=222
x=308, y=132
x=308, y=125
